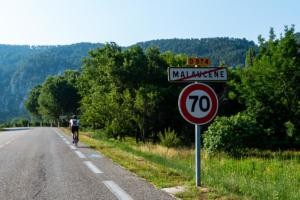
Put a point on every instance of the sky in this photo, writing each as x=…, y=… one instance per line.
x=126, y=22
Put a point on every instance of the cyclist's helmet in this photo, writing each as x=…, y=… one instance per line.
x=74, y=117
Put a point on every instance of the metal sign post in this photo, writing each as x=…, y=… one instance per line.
x=198, y=154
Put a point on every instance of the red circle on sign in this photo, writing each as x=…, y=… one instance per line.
x=186, y=113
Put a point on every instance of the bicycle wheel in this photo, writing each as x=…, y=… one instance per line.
x=76, y=138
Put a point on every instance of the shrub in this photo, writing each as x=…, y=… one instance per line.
x=290, y=128
x=169, y=138
x=232, y=134
x=112, y=130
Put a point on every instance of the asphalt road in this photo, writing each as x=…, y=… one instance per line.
x=42, y=163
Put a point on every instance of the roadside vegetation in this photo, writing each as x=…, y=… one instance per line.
x=256, y=174
x=126, y=93
x=124, y=97
x=18, y=122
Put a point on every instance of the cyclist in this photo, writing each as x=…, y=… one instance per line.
x=74, y=125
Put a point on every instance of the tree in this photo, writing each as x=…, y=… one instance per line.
x=58, y=97
x=144, y=104
x=175, y=60
x=71, y=76
x=270, y=88
x=97, y=80
x=250, y=55
x=31, y=104
x=126, y=92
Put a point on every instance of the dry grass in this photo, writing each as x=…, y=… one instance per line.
x=182, y=153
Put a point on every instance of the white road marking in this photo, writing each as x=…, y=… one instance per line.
x=94, y=155
x=55, y=131
x=79, y=154
x=67, y=142
x=92, y=167
x=58, y=133
x=72, y=147
x=13, y=138
x=117, y=191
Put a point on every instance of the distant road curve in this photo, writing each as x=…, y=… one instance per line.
x=16, y=129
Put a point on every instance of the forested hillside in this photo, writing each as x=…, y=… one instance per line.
x=230, y=51
x=23, y=67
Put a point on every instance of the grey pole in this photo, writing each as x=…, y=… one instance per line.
x=198, y=154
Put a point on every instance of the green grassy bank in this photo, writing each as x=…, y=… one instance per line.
x=256, y=175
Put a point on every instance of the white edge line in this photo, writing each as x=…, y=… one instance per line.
x=95, y=156
x=117, y=191
x=58, y=133
x=92, y=167
x=79, y=154
x=72, y=147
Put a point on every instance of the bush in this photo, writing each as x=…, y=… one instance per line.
x=169, y=138
x=18, y=122
x=112, y=130
x=232, y=134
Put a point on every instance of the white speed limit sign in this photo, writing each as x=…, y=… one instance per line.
x=198, y=103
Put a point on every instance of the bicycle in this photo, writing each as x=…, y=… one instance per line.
x=75, y=137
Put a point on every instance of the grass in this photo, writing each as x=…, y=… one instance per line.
x=256, y=175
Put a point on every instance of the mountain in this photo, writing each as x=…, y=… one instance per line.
x=23, y=66
x=230, y=51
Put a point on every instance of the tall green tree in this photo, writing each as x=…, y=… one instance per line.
x=250, y=56
x=270, y=87
x=31, y=104
x=58, y=97
x=96, y=82
x=144, y=104
x=125, y=92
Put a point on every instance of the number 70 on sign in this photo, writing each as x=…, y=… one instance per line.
x=198, y=103
x=202, y=101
